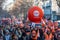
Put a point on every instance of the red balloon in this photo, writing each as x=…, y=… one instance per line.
x=35, y=14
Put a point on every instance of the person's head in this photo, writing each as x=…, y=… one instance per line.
x=15, y=25
x=14, y=37
x=48, y=31
x=28, y=32
x=58, y=33
x=56, y=25
x=34, y=32
x=43, y=29
x=21, y=25
x=6, y=31
x=50, y=23
x=8, y=26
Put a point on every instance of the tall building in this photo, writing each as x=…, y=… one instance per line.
x=1, y=1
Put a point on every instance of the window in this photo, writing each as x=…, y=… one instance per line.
x=44, y=0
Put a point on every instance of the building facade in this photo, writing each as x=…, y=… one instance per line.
x=49, y=7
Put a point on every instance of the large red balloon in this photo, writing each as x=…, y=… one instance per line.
x=35, y=14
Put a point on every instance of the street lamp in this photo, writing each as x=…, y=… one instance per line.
x=58, y=2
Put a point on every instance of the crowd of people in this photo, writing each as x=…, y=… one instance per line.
x=24, y=30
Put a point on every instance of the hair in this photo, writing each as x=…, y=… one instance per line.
x=13, y=36
x=34, y=30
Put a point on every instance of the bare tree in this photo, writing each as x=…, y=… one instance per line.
x=20, y=7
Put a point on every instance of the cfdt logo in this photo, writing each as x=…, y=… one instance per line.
x=36, y=13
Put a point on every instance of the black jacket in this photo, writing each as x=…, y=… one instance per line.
x=37, y=38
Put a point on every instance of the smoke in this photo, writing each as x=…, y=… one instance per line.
x=7, y=4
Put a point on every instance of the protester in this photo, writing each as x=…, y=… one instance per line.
x=14, y=37
x=34, y=35
x=19, y=30
x=57, y=34
x=7, y=35
x=1, y=37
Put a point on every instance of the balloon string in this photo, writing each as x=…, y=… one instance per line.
x=43, y=22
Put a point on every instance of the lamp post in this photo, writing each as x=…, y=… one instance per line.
x=58, y=2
